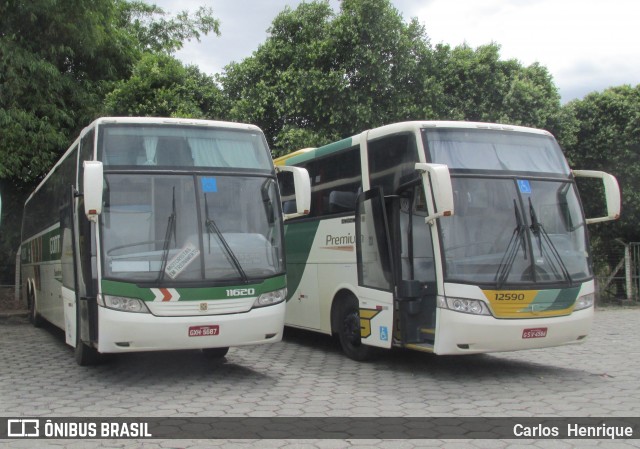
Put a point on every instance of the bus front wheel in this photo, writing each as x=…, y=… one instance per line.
x=349, y=332
x=84, y=354
x=34, y=317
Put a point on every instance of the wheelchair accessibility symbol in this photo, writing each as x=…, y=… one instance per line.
x=524, y=186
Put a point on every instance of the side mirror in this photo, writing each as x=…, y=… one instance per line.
x=93, y=185
x=295, y=189
x=611, y=193
x=437, y=184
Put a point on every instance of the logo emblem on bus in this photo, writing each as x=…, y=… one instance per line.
x=203, y=307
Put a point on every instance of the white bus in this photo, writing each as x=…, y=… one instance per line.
x=159, y=234
x=443, y=237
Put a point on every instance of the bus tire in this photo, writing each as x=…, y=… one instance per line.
x=84, y=354
x=349, y=332
x=34, y=317
x=215, y=353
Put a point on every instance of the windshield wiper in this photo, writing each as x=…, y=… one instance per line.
x=212, y=227
x=171, y=231
x=542, y=236
x=509, y=257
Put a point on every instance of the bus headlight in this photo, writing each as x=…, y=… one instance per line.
x=270, y=298
x=585, y=301
x=463, y=305
x=123, y=304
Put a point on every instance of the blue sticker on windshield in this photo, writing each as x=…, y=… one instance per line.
x=524, y=186
x=209, y=185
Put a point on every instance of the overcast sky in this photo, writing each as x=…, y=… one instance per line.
x=587, y=45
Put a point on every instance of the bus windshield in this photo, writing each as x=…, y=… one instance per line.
x=171, y=228
x=512, y=231
x=517, y=216
x=182, y=146
x=479, y=149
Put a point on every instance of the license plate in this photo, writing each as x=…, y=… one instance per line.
x=538, y=332
x=204, y=331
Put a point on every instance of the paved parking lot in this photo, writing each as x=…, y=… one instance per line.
x=306, y=375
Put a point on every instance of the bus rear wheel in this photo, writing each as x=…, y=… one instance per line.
x=349, y=332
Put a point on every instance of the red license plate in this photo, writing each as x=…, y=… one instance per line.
x=538, y=332
x=204, y=331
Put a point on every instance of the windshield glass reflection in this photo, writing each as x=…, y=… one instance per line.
x=495, y=238
x=159, y=228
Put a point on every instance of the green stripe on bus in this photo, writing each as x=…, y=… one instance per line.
x=299, y=238
x=45, y=247
x=131, y=290
x=321, y=151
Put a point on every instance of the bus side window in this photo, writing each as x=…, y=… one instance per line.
x=336, y=181
x=392, y=162
x=340, y=201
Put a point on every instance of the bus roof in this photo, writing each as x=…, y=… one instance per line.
x=307, y=154
x=282, y=159
x=142, y=121
x=170, y=121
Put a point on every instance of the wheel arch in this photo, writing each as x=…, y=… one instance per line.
x=341, y=296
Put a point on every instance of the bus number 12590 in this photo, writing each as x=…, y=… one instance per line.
x=509, y=297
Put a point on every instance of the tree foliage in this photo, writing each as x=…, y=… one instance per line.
x=605, y=135
x=477, y=85
x=161, y=86
x=324, y=76
x=334, y=75
x=59, y=58
x=289, y=83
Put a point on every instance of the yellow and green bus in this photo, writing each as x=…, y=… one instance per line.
x=443, y=237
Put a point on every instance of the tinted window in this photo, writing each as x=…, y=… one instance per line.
x=392, y=162
x=335, y=183
x=183, y=146
x=43, y=210
x=495, y=150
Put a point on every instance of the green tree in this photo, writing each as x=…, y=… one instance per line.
x=161, y=86
x=385, y=62
x=605, y=135
x=291, y=81
x=477, y=85
x=57, y=61
x=322, y=76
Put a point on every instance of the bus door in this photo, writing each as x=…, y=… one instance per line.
x=375, y=270
x=68, y=264
x=77, y=235
x=396, y=269
x=396, y=266
x=416, y=296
